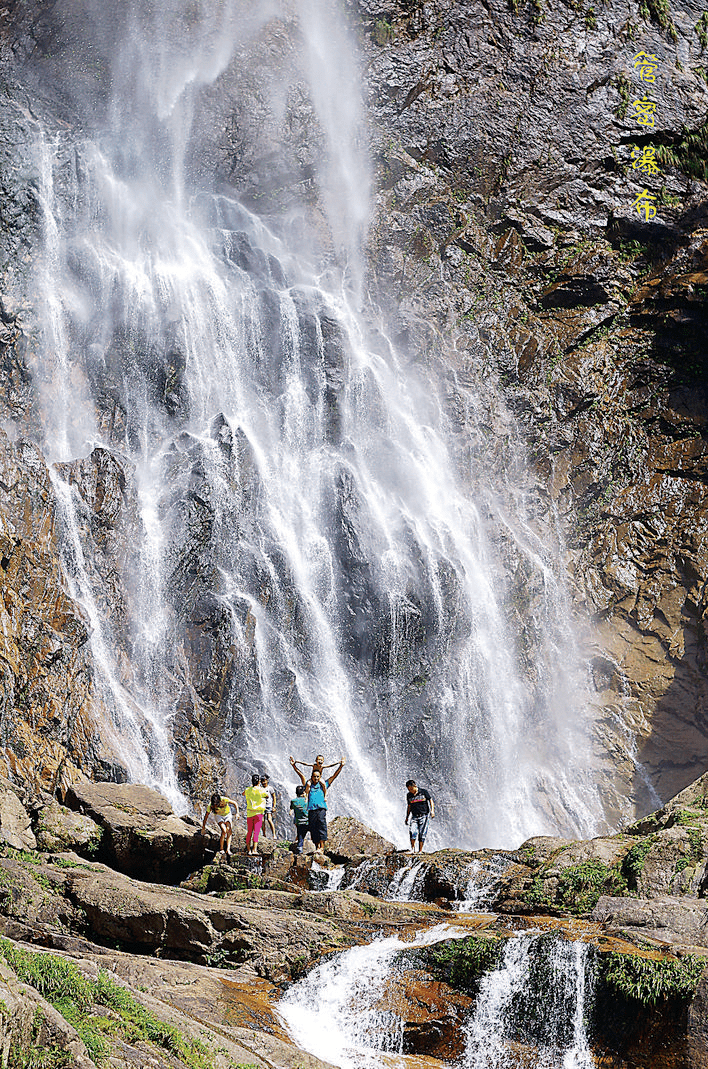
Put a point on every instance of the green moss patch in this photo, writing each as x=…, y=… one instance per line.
x=578, y=887
x=651, y=980
x=462, y=963
x=633, y=861
x=689, y=154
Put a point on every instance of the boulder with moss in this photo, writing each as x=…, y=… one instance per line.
x=58, y=829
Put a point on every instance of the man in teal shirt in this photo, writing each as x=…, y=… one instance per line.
x=316, y=789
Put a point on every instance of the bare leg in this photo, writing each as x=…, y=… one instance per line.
x=228, y=839
x=271, y=825
x=223, y=836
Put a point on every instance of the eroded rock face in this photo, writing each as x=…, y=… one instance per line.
x=50, y=712
x=141, y=834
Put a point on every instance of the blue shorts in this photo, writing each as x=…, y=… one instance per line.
x=419, y=827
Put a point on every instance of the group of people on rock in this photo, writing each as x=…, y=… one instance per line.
x=309, y=808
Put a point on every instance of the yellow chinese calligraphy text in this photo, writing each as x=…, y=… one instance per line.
x=646, y=66
x=645, y=204
x=645, y=160
x=644, y=111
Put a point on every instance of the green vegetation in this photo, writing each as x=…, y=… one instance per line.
x=38, y=1057
x=633, y=861
x=647, y=980
x=701, y=29
x=668, y=200
x=578, y=887
x=61, y=983
x=631, y=250
x=658, y=11
x=19, y=855
x=689, y=154
x=383, y=32
x=686, y=819
x=590, y=19
x=462, y=962
x=527, y=856
x=624, y=87
x=696, y=851
x=67, y=863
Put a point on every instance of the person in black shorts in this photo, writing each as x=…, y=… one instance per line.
x=421, y=808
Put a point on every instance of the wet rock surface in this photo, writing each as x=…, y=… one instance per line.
x=213, y=956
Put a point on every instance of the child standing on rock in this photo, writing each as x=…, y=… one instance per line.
x=302, y=820
x=256, y=797
x=220, y=806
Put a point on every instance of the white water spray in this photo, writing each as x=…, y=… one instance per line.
x=309, y=564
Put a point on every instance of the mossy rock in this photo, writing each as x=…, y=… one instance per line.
x=59, y=829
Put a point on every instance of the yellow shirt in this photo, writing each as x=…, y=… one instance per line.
x=223, y=810
x=255, y=800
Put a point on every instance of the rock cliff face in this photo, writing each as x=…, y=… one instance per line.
x=559, y=321
x=506, y=219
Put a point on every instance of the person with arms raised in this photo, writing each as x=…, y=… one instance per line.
x=316, y=790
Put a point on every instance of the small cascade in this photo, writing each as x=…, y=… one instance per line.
x=337, y=1012
x=531, y=1010
x=322, y=879
x=371, y=870
x=535, y=1003
x=403, y=885
x=482, y=878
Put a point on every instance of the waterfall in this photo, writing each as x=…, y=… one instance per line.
x=307, y=566
x=482, y=880
x=402, y=886
x=340, y=1011
x=532, y=1008
x=538, y=999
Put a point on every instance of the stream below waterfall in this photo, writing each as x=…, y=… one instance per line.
x=530, y=1010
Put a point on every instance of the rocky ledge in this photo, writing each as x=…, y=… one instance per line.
x=100, y=964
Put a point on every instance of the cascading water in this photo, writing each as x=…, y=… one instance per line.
x=538, y=999
x=402, y=886
x=339, y=1012
x=306, y=560
x=532, y=1009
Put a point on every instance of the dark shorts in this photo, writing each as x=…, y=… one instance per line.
x=317, y=823
x=419, y=827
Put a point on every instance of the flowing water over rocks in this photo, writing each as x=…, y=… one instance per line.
x=533, y=1007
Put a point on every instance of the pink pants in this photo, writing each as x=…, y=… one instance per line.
x=254, y=825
